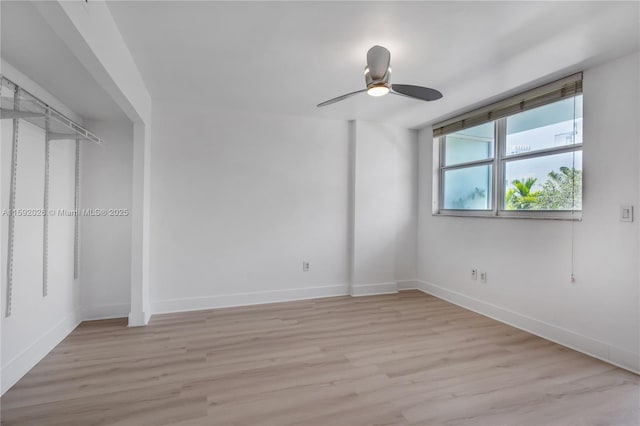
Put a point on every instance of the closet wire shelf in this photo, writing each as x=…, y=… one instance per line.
x=17, y=103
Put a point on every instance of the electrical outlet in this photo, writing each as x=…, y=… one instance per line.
x=626, y=213
x=483, y=277
x=474, y=274
x=305, y=266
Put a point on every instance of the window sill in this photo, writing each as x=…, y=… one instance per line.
x=506, y=214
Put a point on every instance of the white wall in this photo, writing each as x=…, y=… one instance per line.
x=385, y=207
x=239, y=202
x=528, y=261
x=37, y=323
x=106, y=183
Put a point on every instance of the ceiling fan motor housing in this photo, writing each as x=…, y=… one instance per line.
x=374, y=82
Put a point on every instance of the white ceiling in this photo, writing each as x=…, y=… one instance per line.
x=30, y=45
x=286, y=57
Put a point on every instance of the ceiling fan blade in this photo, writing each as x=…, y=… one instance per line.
x=378, y=60
x=339, y=98
x=417, y=92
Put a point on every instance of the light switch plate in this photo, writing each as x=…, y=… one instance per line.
x=626, y=213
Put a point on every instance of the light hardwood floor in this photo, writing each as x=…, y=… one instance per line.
x=380, y=360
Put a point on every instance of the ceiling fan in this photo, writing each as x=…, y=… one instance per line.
x=376, y=75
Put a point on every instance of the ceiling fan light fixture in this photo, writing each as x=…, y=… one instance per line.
x=379, y=90
x=377, y=76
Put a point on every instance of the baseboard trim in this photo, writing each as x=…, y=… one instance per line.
x=581, y=343
x=138, y=318
x=92, y=313
x=246, y=299
x=373, y=289
x=20, y=365
x=408, y=284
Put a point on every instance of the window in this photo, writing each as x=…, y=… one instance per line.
x=521, y=157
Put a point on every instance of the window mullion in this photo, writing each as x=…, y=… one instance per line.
x=441, y=173
x=500, y=138
x=469, y=164
x=542, y=152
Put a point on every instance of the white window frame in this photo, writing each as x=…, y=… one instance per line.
x=498, y=190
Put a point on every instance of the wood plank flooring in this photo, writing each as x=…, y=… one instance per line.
x=403, y=359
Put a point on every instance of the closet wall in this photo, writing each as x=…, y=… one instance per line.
x=106, y=183
x=37, y=320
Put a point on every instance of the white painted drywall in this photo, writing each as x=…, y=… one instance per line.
x=88, y=29
x=385, y=209
x=529, y=261
x=106, y=183
x=37, y=323
x=240, y=201
x=91, y=33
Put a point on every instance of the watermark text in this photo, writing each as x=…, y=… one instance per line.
x=65, y=212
